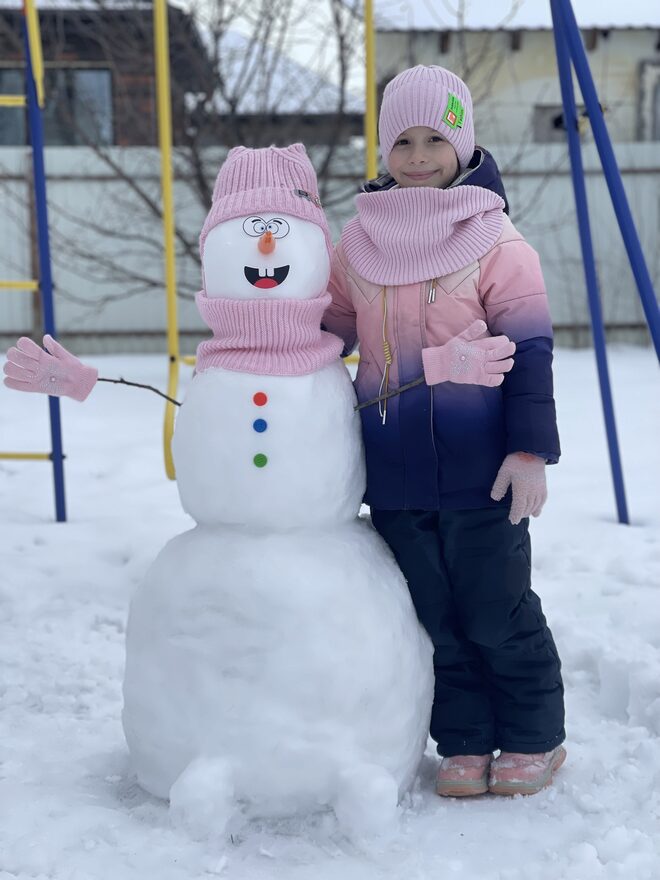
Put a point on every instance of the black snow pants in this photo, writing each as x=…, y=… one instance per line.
x=497, y=672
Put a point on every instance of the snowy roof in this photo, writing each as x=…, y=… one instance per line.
x=442, y=15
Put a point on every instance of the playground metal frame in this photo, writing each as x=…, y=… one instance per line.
x=33, y=100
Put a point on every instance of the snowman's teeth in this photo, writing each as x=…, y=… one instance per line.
x=270, y=273
x=262, y=273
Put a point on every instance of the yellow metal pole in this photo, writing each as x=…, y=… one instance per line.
x=161, y=46
x=13, y=101
x=26, y=456
x=370, y=91
x=19, y=285
x=34, y=36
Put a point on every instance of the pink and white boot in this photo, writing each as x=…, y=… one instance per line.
x=514, y=773
x=463, y=775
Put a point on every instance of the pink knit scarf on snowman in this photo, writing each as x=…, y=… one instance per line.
x=411, y=234
x=270, y=337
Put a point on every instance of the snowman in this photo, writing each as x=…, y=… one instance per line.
x=274, y=662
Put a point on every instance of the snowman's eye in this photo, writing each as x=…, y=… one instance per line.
x=254, y=226
x=278, y=227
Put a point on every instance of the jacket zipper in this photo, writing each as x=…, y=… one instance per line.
x=430, y=299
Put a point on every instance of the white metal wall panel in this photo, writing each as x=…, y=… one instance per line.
x=102, y=219
x=15, y=306
x=543, y=207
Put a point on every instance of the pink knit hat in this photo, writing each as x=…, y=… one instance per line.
x=430, y=96
x=273, y=180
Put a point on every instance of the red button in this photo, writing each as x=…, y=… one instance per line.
x=260, y=399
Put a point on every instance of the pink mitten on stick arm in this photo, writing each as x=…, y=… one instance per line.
x=55, y=372
x=469, y=360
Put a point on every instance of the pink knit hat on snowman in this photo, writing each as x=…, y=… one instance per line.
x=432, y=96
x=274, y=180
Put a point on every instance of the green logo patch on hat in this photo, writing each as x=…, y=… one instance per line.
x=454, y=114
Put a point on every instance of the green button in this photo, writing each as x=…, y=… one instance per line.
x=260, y=459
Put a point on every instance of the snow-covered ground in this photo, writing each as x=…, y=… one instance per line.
x=69, y=809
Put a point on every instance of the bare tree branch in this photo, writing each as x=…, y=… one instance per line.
x=233, y=91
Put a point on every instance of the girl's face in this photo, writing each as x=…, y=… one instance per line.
x=421, y=157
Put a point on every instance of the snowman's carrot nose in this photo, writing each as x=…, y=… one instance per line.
x=267, y=243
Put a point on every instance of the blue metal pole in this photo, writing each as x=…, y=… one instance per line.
x=45, y=278
x=563, y=10
x=597, y=327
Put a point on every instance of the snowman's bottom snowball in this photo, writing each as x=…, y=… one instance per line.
x=297, y=659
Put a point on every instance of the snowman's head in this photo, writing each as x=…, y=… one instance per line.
x=266, y=235
x=265, y=255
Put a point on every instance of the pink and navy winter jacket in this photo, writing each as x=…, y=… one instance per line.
x=441, y=446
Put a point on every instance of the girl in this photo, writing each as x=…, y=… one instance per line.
x=455, y=465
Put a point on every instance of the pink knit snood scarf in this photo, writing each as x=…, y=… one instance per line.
x=271, y=337
x=411, y=234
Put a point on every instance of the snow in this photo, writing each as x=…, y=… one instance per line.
x=311, y=453
x=291, y=660
x=509, y=14
x=310, y=435
x=274, y=662
x=234, y=243
x=69, y=808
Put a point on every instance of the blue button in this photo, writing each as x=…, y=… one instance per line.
x=260, y=425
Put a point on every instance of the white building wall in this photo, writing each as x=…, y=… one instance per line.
x=507, y=83
x=95, y=215
x=540, y=192
x=15, y=258
x=97, y=220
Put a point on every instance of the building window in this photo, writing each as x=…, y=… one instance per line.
x=590, y=38
x=444, y=42
x=649, y=105
x=549, y=126
x=78, y=107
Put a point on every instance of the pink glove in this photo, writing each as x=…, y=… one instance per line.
x=55, y=372
x=525, y=474
x=469, y=360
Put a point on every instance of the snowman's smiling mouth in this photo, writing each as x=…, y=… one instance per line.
x=265, y=278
